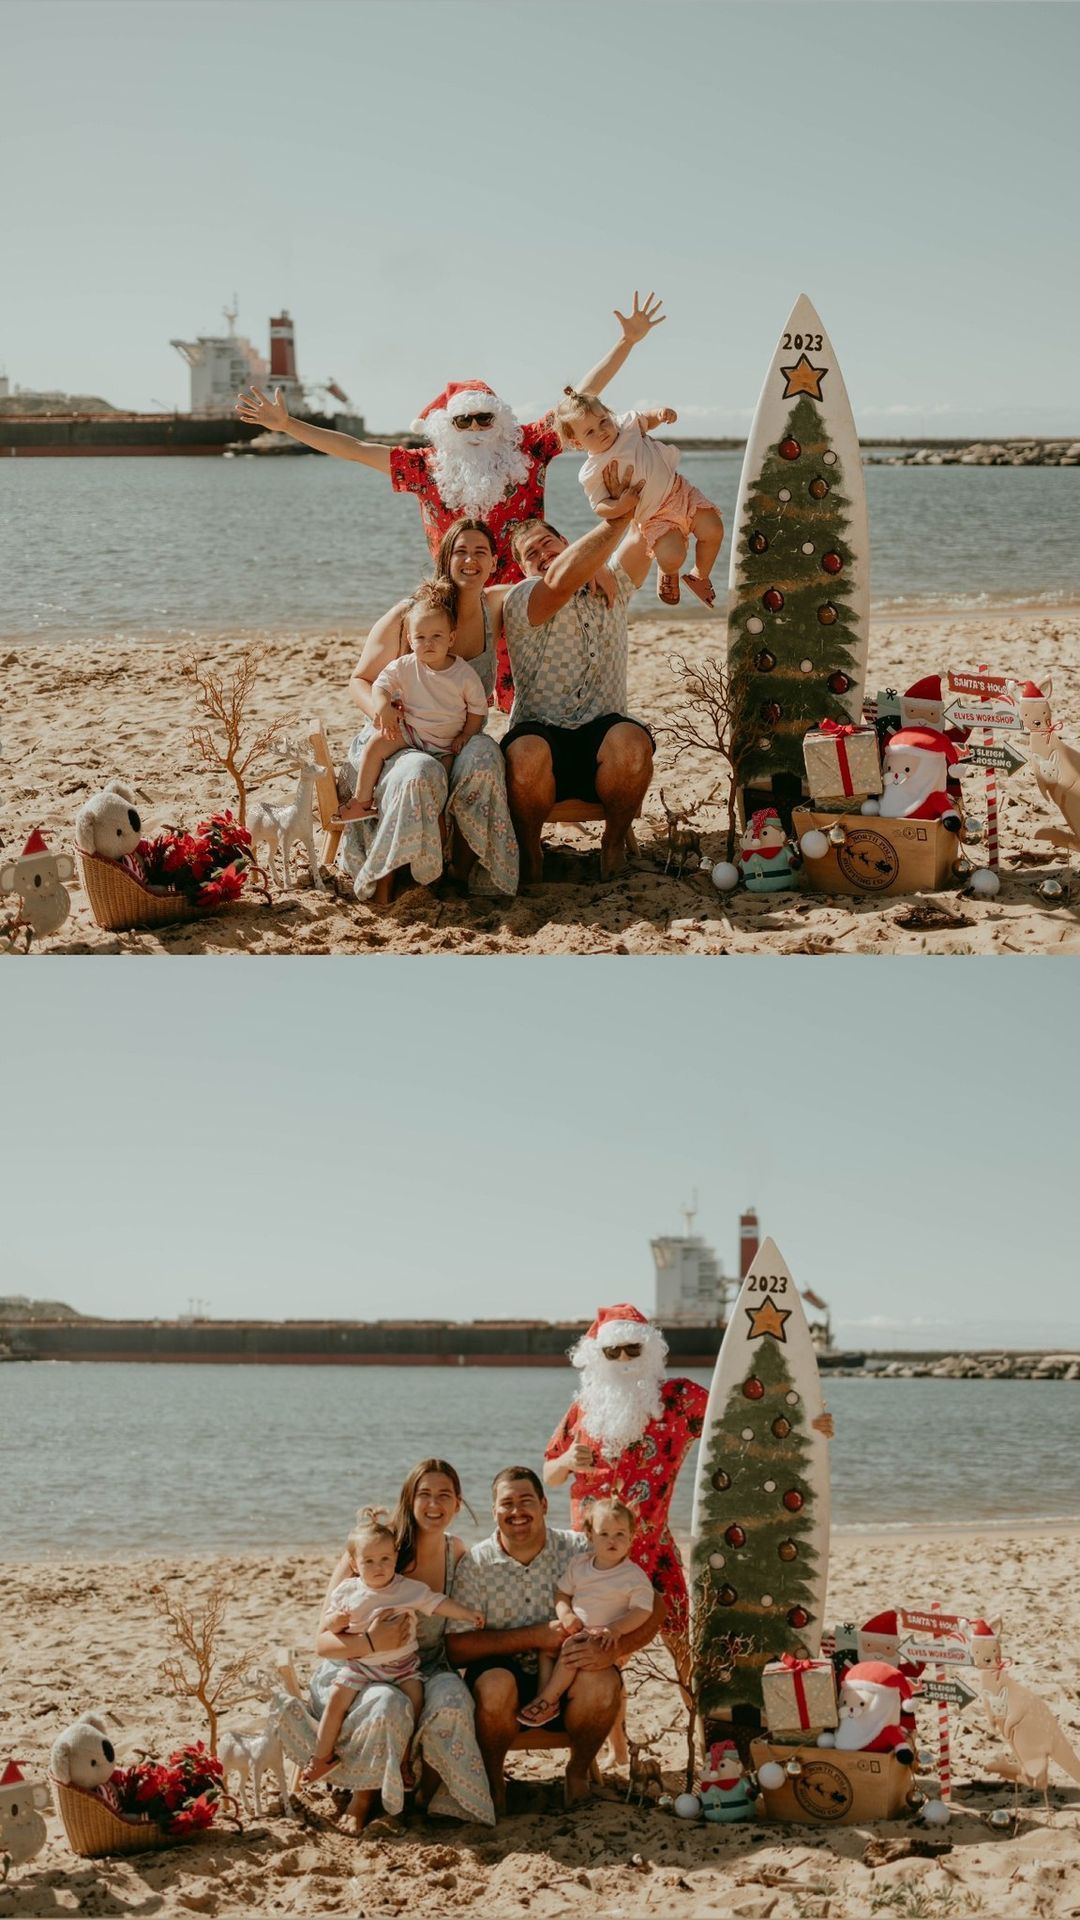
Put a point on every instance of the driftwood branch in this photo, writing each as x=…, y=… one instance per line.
x=220, y=741
x=196, y=1671
x=709, y=721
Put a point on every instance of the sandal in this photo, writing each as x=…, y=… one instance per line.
x=539, y=1713
x=319, y=1769
x=704, y=589
x=667, y=589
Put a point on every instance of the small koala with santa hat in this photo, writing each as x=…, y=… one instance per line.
x=872, y=1698
x=37, y=877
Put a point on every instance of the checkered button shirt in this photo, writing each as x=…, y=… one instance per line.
x=508, y=1594
x=571, y=669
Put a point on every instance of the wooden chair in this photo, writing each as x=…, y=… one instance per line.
x=574, y=813
x=326, y=793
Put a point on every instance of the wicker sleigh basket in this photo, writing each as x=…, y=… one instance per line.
x=93, y=1829
x=119, y=902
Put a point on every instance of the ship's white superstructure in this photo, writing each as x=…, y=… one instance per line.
x=691, y=1285
x=223, y=364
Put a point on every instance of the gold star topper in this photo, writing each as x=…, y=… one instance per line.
x=803, y=377
x=768, y=1318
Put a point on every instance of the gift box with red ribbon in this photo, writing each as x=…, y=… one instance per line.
x=799, y=1695
x=842, y=762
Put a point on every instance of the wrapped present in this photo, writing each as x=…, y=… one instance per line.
x=841, y=762
x=799, y=1695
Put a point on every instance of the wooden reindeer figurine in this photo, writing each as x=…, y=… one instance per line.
x=644, y=1772
x=1056, y=765
x=684, y=841
x=280, y=828
x=1018, y=1717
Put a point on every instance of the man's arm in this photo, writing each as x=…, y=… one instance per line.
x=635, y=325
x=575, y=566
x=274, y=417
x=461, y=1648
x=634, y=558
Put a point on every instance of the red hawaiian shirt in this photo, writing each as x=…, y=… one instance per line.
x=644, y=1477
x=410, y=472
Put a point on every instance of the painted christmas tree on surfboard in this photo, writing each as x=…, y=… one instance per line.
x=760, y=1548
x=799, y=594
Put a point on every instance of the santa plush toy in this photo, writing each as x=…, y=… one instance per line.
x=872, y=1698
x=915, y=770
x=627, y=1432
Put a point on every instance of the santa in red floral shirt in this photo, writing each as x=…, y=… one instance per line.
x=627, y=1433
x=480, y=463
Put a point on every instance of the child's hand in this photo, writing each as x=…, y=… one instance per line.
x=667, y=416
x=476, y=1620
x=603, y=1637
x=570, y=1625
x=824, y=1424
x=641, y=320
x=456, y=744
x=388, y=724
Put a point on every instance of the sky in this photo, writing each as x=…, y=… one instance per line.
x=464, y=1139
x=467, y=188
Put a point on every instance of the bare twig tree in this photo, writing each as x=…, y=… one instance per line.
x=196, y=1672
x=712, y=721
x=224, y=700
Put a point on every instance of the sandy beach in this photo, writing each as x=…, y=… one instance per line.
x=76, y=715
x=87, y=1638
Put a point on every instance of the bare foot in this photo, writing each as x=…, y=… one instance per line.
x=704, y=589
x=318, y=1768
x=612, y=859
x=667, y=589
x=577, y=1789
x=354, y=810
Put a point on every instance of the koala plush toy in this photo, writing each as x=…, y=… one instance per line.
x=109, y=825
x=83, y=1756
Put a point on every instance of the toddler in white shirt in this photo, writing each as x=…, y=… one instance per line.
x=426, y=698
x=669, y=512
x=357, y=1605
x=602, y=1593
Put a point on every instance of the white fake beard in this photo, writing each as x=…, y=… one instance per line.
x=473, y=470
x=901, y=797
x=876, y=1710
x=618, y=1398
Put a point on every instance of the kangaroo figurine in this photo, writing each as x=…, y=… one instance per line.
x=1018, y=1717
x=1056, y=765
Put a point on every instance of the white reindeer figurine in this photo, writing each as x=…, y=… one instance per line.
x=250, y=1756
x=280, y=828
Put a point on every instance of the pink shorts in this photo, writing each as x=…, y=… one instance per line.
x=678, y=511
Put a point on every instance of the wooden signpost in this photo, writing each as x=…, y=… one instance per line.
x=984, y=703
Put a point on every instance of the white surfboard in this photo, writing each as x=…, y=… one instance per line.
x=760, y=1529
x=809, y=510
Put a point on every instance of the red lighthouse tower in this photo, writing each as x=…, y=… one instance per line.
x=749, y=1240
x=283, y=372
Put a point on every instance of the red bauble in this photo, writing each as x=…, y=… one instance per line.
x=781, y=1428
x=753, y=1388
x=727, y=1596
x=758, y=543
x=766, y=661
x=838, y=683
x=831, y=562
x=787, y=1550
x=818, y=488
x=827, y=614
x=773, y=599
x=771, y=712
x=735, y=1536
x=721, y=1480
x=793, y=1500
x=798, y=1617
x=789, y=449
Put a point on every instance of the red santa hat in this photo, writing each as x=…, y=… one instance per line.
x=11, y=1775
x=36, y=843
x=723, y=1762
x=1029, y=691
x=617, y=1323
x=928, y=688
x=457, y=397
x=877, y=1673
x=923, y=740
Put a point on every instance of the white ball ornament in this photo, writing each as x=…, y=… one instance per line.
x=687, y=1806
x=935, y=1813
x=814, y=844
x=826, y=1738
x=725, y=876
x=771, y=1776
x=870, y=807
x=985, y=883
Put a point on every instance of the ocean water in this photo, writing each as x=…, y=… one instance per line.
x=92, y=548
x=106, y=1460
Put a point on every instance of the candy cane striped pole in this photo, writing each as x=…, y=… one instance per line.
x=991, y=802
x=944, y=1742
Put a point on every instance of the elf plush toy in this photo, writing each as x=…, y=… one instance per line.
x=725, y=1794
x=872, y=1696
x=765, y=859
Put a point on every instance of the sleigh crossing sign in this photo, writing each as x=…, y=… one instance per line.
x=952, y=1693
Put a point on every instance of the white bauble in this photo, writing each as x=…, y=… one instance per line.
x=771, y=1776
x=725, y=877
x=935, y=1813
x=984, y=881
x=826, y=1739
x=814, y=844
x=870, y=807
x=687, y=1806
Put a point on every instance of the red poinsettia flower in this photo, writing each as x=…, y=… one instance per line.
x=198, y=1814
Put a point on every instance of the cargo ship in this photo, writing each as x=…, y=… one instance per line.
x=44, y=425
x=693, y=1294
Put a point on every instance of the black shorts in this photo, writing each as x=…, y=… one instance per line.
x=528, y=1682
x=574, y=751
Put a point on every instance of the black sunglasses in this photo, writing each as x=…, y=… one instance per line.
x=630, y=1351
x=462, y=420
